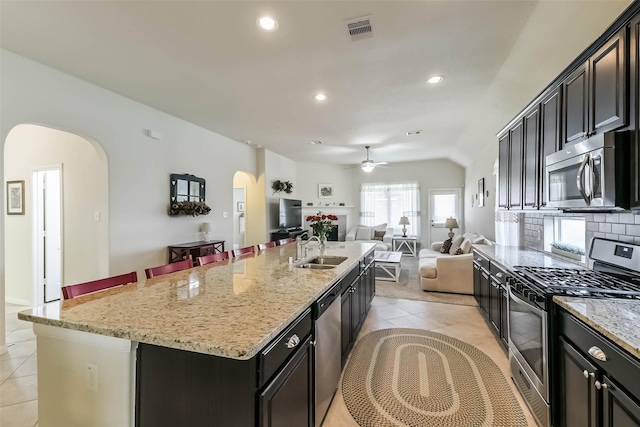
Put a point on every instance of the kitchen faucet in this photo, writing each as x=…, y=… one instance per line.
x=299, y=246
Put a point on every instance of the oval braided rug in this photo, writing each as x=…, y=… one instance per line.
x=412, y=377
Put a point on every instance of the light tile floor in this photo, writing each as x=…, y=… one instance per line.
x=18, y=371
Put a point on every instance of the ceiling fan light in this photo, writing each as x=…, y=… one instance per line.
x=367, y=166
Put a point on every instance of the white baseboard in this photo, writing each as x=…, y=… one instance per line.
x=17, y=301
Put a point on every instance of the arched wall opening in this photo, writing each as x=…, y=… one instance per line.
x=85, y=207
x=254, y=215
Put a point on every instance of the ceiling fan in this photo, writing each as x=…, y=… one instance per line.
x=368, y=165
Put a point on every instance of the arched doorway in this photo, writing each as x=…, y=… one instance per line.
x=29, y=151
x=249, y=215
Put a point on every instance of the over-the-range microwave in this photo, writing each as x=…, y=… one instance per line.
x=591, y=175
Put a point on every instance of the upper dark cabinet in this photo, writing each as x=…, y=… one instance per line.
x=550, y=135
x=594, y=95
x=531, y=163
x=576, y=98
x=503, y=171
x=516, y=141
x=634, y=104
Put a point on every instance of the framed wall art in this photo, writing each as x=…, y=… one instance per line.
x=325, y=191
x=15, y=197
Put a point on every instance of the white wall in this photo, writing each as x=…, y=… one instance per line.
x=430, y=174
x=481, y=220
x=84, y=192
x=139, y=167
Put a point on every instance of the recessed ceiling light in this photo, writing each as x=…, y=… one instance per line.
x=316, y=142
x=247, y=142
x=267, y=23
x=320, y=97
x=435, y=79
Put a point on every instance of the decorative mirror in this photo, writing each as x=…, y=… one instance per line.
x=187, y=188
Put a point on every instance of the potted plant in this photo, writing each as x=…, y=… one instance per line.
x=189, y=208
x=278, y=186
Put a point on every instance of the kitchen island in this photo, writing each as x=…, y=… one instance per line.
x=207, y=328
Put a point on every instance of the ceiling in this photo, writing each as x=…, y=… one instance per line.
x=208, y=63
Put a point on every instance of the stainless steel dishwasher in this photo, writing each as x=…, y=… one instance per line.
x=328, y=323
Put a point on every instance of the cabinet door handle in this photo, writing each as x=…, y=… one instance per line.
x=596, y=352
x=600, y=385
x=293, y=341
x=588, y=374
x=499, y=275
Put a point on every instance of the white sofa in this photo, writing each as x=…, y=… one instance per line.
x=448, y=272
x=363, y=233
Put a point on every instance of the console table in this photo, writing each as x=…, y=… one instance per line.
x=194, y=249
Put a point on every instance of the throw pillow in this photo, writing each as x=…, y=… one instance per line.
x=465, y=247
x=380, y=226
x=364, y=233
x=459, y=251
x=446, y=245
x=378, y=235
x=455, y=244
x=478, y=240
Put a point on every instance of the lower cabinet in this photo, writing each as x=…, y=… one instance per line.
x=592, y=392
x=490, y=290
x=288, y=399
x=356, y=302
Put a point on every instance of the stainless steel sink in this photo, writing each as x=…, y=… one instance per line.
x=322, y=262
x=327, y=260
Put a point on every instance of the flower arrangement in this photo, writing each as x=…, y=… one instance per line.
x=189, y=208
x=278, y=186
x=321, y=224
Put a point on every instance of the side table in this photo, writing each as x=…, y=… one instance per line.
x=409, y=242
x=194, y=249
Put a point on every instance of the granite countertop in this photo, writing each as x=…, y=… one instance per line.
x=616, y=319
x=512, y=256
x=230, y=309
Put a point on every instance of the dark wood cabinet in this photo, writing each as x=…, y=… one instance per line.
x=288, y=399
x=531, y=162
x=575, y=99
x=503, y=171
x=618, y=408
x=516, y=141
x=608, y=85
x=490, y=291
x=578, y=392
x=589, y=391
x=594, y=95
x=356, y=302
x=550, y=135
x=634, y=106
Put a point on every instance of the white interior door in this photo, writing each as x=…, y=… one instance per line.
x=444, y=203
x=48, y=225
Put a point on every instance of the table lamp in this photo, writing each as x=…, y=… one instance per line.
x=404, y=221
x=205, y=228
x=451, y=223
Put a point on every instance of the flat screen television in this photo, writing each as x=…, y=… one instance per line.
x=290, y=214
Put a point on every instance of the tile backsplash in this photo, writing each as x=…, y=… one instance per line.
x=624, y=226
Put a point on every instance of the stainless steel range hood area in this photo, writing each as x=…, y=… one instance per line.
x=594, y=175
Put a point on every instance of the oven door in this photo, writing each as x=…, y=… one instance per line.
x=528, y=339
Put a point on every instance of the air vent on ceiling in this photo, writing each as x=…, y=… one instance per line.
x=360, y=28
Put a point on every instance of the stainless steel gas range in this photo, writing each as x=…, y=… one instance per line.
x=615, y=274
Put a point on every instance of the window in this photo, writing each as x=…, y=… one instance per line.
x=386, y=203
x=565, y=234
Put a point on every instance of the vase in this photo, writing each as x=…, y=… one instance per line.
x=322, y=244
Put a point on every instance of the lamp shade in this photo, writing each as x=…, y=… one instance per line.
x=404, y=221
x=205, y=227
x=451, y=223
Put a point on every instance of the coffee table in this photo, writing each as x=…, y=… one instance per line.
x=388, y=264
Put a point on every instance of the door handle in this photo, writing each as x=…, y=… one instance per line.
x=580, y=179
